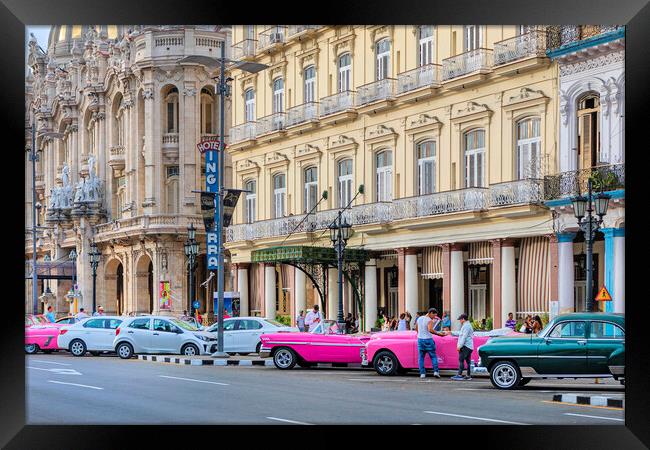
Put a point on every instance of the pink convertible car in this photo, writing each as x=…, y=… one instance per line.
x=40, y=334
x=322, y=344
x=394, y=352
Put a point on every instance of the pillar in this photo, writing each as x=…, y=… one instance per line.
x=508, y=281
x=270, y=291
x=242, y=288
x=497, y=310
x=457, y=288
x=300, y=293
x=446, y=277
x=619, y=270
x=401, y=281
x=565, y=272
x=370, y=294
x=554, y=273
x=411, y=281
x=332, y=294
x=611, y=266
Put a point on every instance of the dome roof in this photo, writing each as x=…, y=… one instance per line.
x=62, y=37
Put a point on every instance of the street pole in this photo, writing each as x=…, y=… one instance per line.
x=589, y=236
x=339, y=246
x=219, y=209
x=191, y=270
x=34, y=273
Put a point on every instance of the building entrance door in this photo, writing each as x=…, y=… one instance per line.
x=435, y=295
x=393, y=304
x=477, y=305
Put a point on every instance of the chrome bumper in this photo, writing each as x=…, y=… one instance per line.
x=265, y=352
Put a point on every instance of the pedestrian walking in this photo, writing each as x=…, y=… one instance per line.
x=81, y=314
x=465, y=346
x=313, y=318
x=426, y=344
x=50, y=314
x=300, y=321
x=511, y=322
x=446, y=321
x=99, y=312
x=401, y=326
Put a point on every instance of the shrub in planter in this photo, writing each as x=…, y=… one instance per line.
x=284, y=320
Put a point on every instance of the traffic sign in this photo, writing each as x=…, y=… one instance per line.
x=603, y=295
x=196, y=304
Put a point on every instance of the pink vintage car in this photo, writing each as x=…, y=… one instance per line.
x=323, y=344
x=40, y=334
x=394, y=352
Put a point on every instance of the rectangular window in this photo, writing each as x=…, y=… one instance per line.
x=172, y=171
x=250, y=207
x=383, y=59
x=345, y=73
x=170, y=118
x=426, y=45
x=473, y=37
x=249, y=106
x=310, y=84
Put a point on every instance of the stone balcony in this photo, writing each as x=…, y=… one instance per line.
x=298, y=31
x=420, y=78
x=306, y=114
x=170, y=142
x=271, y=124
x=568, y=184
x=468, y=199
x=244, y=50
x=527, y=45
x=377, y=91
x=517, y=192
x=116, y=157
x=175, y=43
x=477, y=62
x=245, y=132
x=272, y=38
x=338, y=107
x=138, y=225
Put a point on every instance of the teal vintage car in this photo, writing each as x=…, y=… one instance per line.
x=576, y=345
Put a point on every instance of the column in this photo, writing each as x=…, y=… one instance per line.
x=401, y=282
x=446, y=277
x=457, y=287
x=554, y=273
x=370, y=294
x=619, y=270
x=565, y=272
x=497, y=296
x=332, y=294
x=508, y=281
x=300, y=293
x=411, y=281
x=270, y=291
x=611, y=267
x=242, y=288
x=150, y=148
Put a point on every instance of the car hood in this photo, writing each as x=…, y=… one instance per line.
x=204, y=333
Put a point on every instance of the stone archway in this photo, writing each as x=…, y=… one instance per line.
x=113, y=287
x=144, y=285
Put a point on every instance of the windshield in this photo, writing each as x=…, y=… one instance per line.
x=326, y=327
x=544, y=331
x=184, y=325
x=274, y=323
x=40, y=320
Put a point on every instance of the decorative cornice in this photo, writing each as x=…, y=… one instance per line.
x=418, y=121
x=592, y=63
x=341, y=142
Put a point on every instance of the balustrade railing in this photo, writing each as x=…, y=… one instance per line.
x=568, y=184
x=271, y=123
x=244, y=132
x=517, y=192
x=302, y=113
x=295, y=29
x=427, y=75
x=468, y=62
x=170, y=138
x=469, y=199
x=378, y=90
x=337, y=103
x=243, y=49
x=525, y=45
x=271, y=36
x=117, y=150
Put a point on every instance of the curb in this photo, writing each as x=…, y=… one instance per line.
x=593, y=400
x=207, y=362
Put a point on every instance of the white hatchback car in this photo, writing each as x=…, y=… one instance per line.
x=242, y=334
x=93, y=334
x=161, y=334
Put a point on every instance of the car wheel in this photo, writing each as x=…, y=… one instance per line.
x=505, y=375
x=385, y=363
x=124, y=350
x=524, y=381
x=30, y=349
x=284, y=358
x=190, y=350
x=258, y=347
x=77, y=347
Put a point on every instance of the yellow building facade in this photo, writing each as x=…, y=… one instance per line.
x=450, y=131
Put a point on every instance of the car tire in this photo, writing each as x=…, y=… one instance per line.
x=524, y=381
x=505, y=375
x=77, y=347
x=190, y=350
x=31, y=349
x=124, y=350
x=284, y=358
x=385, y=363
x=258, y=347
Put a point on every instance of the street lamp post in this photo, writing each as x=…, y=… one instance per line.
x=339, y=234
x=191, y=250
x=73, y=258
x=589, y=225
x=94, y=263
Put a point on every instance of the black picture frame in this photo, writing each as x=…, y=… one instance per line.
x=635, y=14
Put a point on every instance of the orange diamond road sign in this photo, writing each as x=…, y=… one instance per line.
x=603, y=295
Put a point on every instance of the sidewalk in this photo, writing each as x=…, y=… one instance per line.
x=609, y=400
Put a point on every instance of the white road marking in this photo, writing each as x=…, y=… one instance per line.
x=288, y=421
x=475, y=418
x=75, y=384
x=49, y=362
x=191, y=379
x=57, y=371
x=595, y=417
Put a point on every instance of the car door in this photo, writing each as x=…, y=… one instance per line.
x=105, y=341
x=564, y=349
x=165, y=337
x=604, y=339
x=91, y=333
x=248, y=335
x=139, y=332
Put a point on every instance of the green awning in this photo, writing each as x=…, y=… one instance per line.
x=306, y=254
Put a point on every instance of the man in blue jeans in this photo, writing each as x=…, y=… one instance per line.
x=424, y=328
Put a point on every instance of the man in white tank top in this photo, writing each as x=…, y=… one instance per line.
x=424, y=327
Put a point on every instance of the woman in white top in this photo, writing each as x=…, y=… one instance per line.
x=401, y=326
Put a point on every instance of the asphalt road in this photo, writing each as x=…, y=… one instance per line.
x=62, y=389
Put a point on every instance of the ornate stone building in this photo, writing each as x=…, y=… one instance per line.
x=118, y=121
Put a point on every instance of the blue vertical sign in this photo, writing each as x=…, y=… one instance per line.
x=212, y=185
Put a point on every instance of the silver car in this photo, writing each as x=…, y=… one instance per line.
x=161, y=334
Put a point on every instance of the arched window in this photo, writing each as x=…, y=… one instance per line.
x=345, y=178
x=207, y=108
x=62, y=32
x=529, y=148
x=383, y=59
x=172, y=189
x=473, y=37
x=345, y=72
x=426, y=45
x=278, y=95
x=588, y=131
x=426, y=157
x=311, y=188
x=251, y=198
x=119, y=123
x=249, y=105
x=171, y=111
x=279, y=195
x=474, y=144
x=309, y=75
x=384, y=175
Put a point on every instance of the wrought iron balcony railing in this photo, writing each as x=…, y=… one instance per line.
x=466, y=63
x=244, y=132
x=271, y=36
x=271, y=123
x=468, y=199
x=517, y=192
x=568, y=184
x=378, y=90
x=337, y=103
x=296, y=29
x=244, y=49
x=302, y=113
x=567, y=34
x=423, y=76
x=525, y=45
